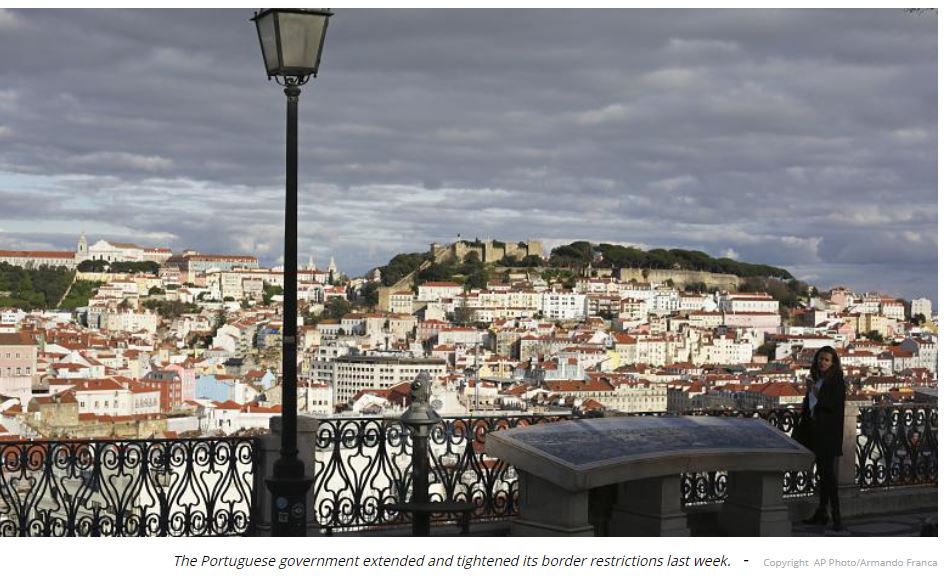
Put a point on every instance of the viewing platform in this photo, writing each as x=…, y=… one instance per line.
x=362, y=469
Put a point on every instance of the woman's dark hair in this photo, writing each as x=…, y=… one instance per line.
x=835, y=373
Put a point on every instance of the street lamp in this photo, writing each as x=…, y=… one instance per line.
x=291, y=40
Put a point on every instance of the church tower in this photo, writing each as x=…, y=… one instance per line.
x=82, y=249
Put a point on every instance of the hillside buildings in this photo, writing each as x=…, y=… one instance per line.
x=196, y=348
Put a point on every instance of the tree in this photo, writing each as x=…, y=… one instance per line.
x=93, y=266
x=400, y=266
x=170, y=309
x=472, y=258
x=463, y=315
x=269, y=291
x=155, y=290
x=575, y=255
x=133, y=267
x=336, y=308
x=369, y=295
x=874, y=336
x=219, y=320
x=79, y=294
x=478, y=279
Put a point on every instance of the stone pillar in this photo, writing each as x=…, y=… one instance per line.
x=307, y=428
x=649, y=507
x=846, y=476
x=755, y=506
x=545, y=509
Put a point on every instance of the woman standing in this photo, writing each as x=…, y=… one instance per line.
x=824, y=404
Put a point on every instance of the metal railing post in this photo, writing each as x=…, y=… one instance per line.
x=419, y=418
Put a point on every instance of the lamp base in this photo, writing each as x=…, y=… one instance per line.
x=288, y=488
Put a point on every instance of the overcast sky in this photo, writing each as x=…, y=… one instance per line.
x=802, y=138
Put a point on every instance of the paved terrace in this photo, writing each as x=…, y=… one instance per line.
x=916, y=521
x=908, y=523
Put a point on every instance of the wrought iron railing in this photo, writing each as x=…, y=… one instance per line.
x=180, y=487
x=710, y=487
x=896, y=446
x=363, y=465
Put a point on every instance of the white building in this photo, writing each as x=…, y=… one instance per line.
x=316, y=398
x=130, y=321
x=114, y=252
x=921, y=306
x=36, y=258
x=349, y=374
x=764, y=322
x=725, y=349
x=892, y=309
x=462, y=335
x=925, y=351
x=437, y=291
x=564, y=306
x=747, y=303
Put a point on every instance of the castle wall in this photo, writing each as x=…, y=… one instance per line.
x=493, y=252
x=681, y=277
x=534, y=248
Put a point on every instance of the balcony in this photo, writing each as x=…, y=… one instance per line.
x=362, y=468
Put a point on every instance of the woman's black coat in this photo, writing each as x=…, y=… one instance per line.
x=829, y=418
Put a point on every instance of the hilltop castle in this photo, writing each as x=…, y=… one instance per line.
x=491, y=251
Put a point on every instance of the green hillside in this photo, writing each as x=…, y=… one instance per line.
x=579, y=254
x=42, y=288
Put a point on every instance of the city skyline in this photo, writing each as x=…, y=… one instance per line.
x=803, y=139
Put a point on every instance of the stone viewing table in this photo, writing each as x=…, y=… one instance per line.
x=559, y=462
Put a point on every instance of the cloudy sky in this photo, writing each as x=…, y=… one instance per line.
x=802, y=138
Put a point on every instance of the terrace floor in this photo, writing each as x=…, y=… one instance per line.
x=906, y=523
x=900, y=523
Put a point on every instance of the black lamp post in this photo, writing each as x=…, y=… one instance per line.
x=291, y=40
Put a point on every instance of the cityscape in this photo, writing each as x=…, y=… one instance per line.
x=166, y=344
x=678, y=239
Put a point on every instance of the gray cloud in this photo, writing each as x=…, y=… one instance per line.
x=799, y=137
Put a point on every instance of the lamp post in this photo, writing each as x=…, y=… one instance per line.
x=291, y=41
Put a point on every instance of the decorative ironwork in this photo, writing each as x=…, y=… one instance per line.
x=181, y=487
x=896, y=445
x=363, y=465
x=710, y=487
